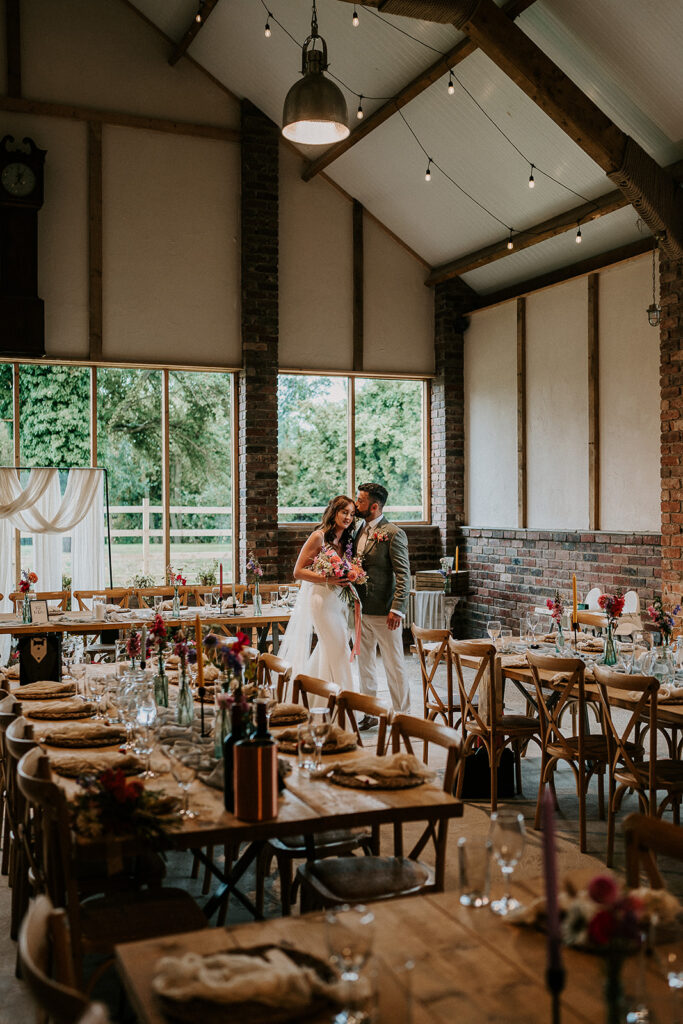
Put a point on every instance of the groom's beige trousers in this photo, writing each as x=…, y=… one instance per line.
x=374, y=633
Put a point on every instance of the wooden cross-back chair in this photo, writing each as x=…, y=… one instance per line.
x=101, y=922
x=430, y=658
x=10, y=709
x=18, y=740
x=350, y=704
x=587, y=755
x=305, y=686
x=59, y=596
x=330, y=883
x=495, y=730
x=645, y=839
x=114, y=595
x=144, y=596
x=631, y=767
x=274, y=672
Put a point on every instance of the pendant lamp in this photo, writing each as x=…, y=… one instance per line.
x=315, y=111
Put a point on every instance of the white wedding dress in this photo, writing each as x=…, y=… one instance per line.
x=319, y=609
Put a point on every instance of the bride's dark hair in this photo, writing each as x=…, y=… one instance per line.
x=328, y=524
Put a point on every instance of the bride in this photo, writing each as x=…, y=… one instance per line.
x=319, y=606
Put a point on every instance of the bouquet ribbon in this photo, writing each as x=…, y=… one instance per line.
x=356, y=622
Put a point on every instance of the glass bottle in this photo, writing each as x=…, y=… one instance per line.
x=26, y=608
x=184, y=709
x=161, y=684
x=176, y=603
x=258, y=606
x=229, y=742
x=255, y=772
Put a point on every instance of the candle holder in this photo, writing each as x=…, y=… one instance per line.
x=555, y=979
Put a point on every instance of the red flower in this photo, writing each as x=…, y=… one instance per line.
x=32, y=577
x=602, y=927
x=122, y=789
x=603, y=889
x=240, y=643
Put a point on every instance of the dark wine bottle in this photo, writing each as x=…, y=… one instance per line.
x=229, y=742
x=255, y=772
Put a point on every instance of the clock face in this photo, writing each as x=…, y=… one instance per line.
x=18, y=179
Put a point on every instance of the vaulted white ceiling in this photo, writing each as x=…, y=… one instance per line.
x=624, y=54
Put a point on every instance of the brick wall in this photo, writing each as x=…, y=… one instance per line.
x=257, y=413
x=513, y=570
x=671, y=381
x=424, y=543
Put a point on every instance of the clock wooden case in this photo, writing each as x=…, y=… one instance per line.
x=22, y=315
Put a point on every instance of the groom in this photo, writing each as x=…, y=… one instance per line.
x=384, y=599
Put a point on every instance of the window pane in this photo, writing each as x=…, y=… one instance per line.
x=389, y=420
x=200, y=432
x=6, y=415
x=312, y=431
x=129, y=447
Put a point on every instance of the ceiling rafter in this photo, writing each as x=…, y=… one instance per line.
x=455, y=56
x=204, y=9
x=540, y=232
x=648, y=187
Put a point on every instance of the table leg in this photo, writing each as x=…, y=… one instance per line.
x=276, y=637
x=229, y=880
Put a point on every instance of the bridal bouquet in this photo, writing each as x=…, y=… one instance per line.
x=342, y=567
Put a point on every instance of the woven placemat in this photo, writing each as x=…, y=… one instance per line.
x=292, y=748
x=97, y=736
x=46, y=691
x=365, y=782
x=73, y=765
x=63, y=711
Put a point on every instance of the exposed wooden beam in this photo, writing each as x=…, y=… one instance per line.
x=204, y=9
x=608, y=203
x=620, y=255
x=521, y=415
x=593, y=403
x=155, y=124
x=95, y=240
x=358, y=285
x=13, y=46
x=512, y=9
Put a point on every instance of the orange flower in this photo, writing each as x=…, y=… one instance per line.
x=32, y=577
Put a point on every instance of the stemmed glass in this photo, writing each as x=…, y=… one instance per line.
x=320, y=727
x=507, y=834
x=283, y=595
x=493, y=627
x=538, y=630
x=184, y=775
x=350, y=934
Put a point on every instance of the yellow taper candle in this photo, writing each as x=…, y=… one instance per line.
x=575, y=611
x=457, y=553
x=200, y=650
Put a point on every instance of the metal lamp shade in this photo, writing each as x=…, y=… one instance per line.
x=315, y=111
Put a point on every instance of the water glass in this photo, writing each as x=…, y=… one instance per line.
x=505, y=639
x=320, y=727
x=305, y=747
x=493, y=627
x=508, y=836
x=474, y=869
x=158, y=601
x=350, y=934
x=283, y=594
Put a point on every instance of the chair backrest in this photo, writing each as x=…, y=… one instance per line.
x=19, y=738
x=60, y=596
x=591, y=599
x=305, y=685
x=114, y=595
x=484, y=678
x=145, y=595
x=47, y=964
x=10, y=709
x=274, y=672
x=552, y=702
x=430, y=658
x=645, y=706
x=631, y=602
x=349, y=704
x=405, y=728
x=645, y=837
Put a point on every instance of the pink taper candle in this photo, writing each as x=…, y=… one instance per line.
x=221, y=590
x=550, y=871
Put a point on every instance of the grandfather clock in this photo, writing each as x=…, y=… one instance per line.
x=22, y=318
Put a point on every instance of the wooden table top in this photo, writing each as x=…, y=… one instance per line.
x=91, y=625
x=470, y=966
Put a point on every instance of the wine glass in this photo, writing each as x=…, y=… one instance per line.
x=350, y=934
x=216, y=591
x=493, y=627
x=320, y=727
x=184, y=774
x=283, y=595
x=145, y=740
x=538, y=630
x=507, y=836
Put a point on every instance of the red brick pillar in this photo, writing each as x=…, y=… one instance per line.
x=447, y=414
x=257, y=432
x=671, y=381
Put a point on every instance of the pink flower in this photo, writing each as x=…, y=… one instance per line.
x=603, y=889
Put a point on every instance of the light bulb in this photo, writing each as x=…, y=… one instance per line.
x=532, y=183
x=359, y=112
x=578, y=236
x=428, y=173
x=511, y=244
x=198, y=18
x=354, y=20
x=267, y=32
x=451, y=86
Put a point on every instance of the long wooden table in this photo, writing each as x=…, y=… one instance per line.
x=470, y=966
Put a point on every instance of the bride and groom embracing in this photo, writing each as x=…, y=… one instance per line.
x=382, y=549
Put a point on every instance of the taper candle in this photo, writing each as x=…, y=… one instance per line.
x=200, y=650
x=457, y=553
x=575, y=611
x=550, y=871
x=221, y=583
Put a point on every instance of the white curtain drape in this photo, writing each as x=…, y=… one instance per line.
x=19, y=505
x=47, y=547
x=87, y=546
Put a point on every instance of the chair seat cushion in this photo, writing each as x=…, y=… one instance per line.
x=358, y=879
x=341, y=836
x=668, y=775
x=507, y=724
x=129, y=917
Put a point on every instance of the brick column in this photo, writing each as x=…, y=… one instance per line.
x=671, y=381
x=257, y=432
x=447, y=414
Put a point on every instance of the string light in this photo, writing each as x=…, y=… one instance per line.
x=267, y=33
x=511, y=244
x=451, y=84
x=428, y=172
x=578, y=236
x=198, y=15
x=354, y=20
x=532, y=183
x=359, y=112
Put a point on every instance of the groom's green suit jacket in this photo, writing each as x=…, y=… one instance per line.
x=388, y=567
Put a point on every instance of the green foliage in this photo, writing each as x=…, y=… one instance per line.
x=206, y=574
x=54, y=419
x=6, y=411
x=140, y=581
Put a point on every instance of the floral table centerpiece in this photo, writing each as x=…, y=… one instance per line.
x=237, y=687
x=26, y=581
x=176, y=579
x=255, y=573
x=664, y=621
x=350, y=568
x=184, y=709
x=157, y=633
x=111, y=804
x=613, y=606
x=133, y=646
x=556, y=608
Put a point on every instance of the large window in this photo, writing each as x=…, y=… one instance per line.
x=6, y=415
x=337, y=432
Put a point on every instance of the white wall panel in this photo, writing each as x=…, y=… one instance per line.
x=316, y=272
x=629, y=400
x=398, y=308
x=491, y=417
x=171, y=249
x=557, y=407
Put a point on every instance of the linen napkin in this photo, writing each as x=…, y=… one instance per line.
x=670, y=692
x=73, y=765
x=513, y=661
x=46, y=690
x=395, y=766
x=76, y=735
x=336, y=737
x=594, y=646
x=288, y=712
x=272, y=979
x=63, y=710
